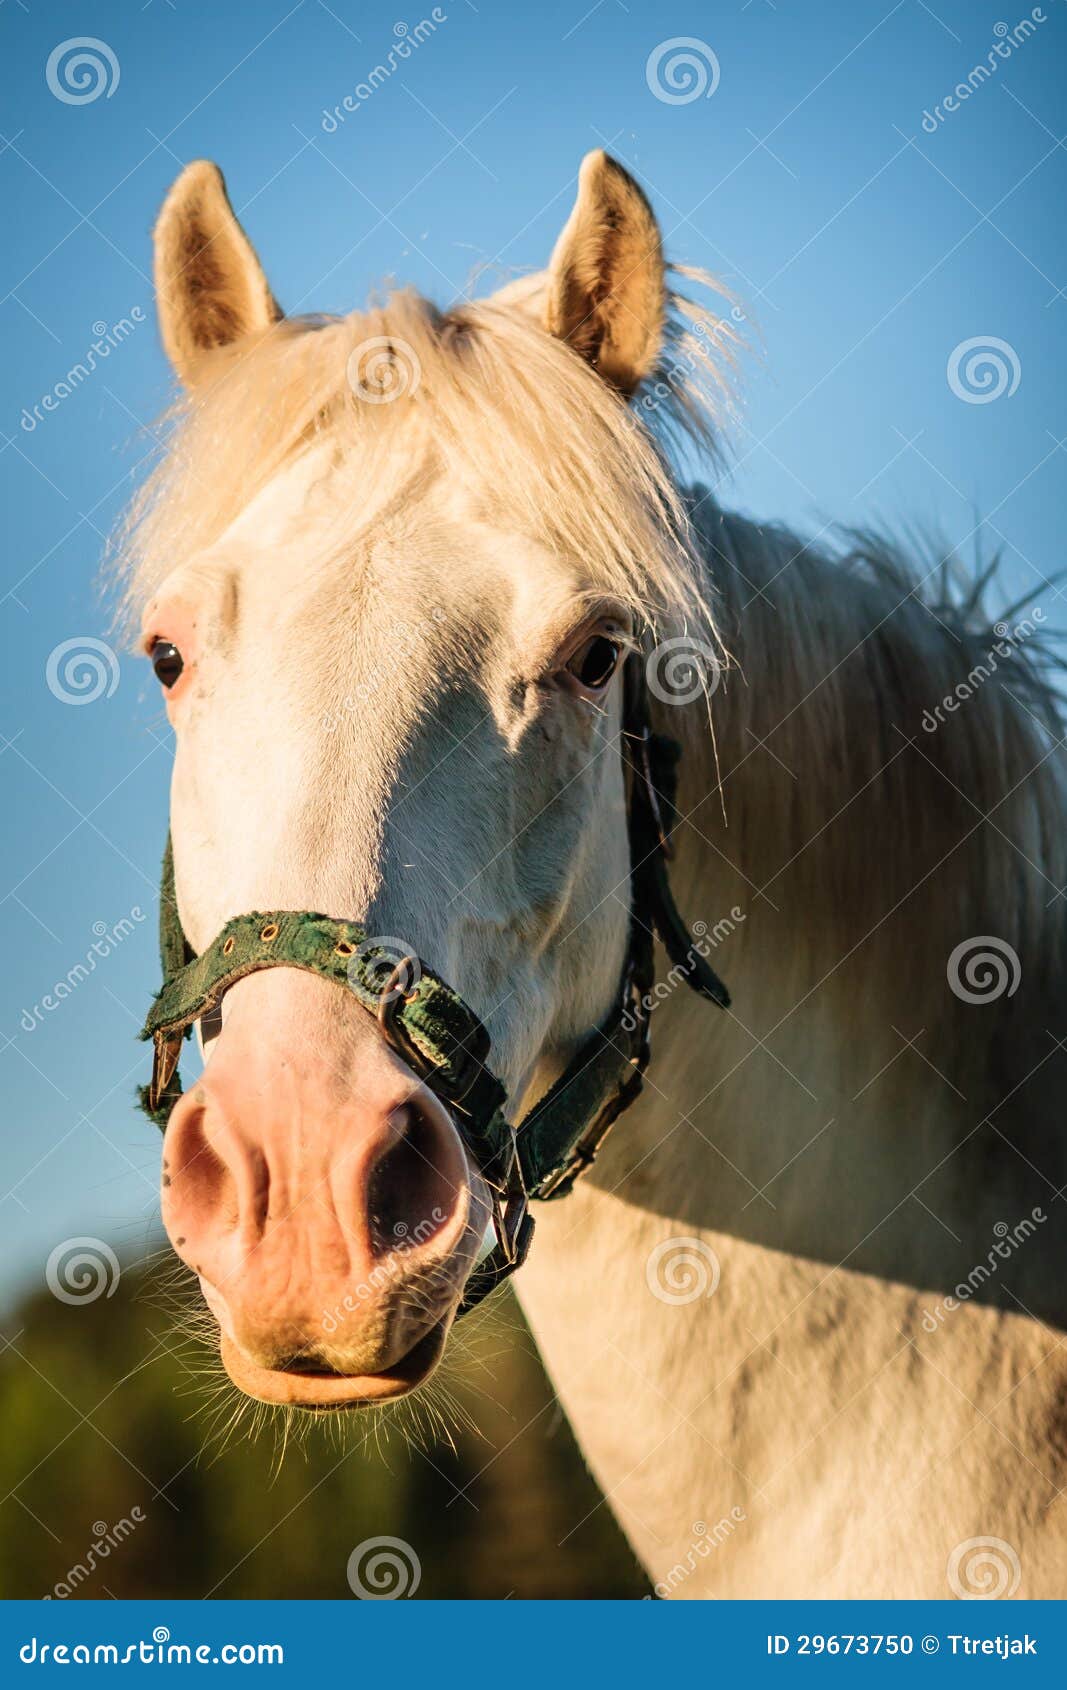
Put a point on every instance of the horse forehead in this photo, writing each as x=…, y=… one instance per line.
x=396, y=637
x=321, y=535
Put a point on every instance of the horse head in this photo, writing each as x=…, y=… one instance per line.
x=388, y=575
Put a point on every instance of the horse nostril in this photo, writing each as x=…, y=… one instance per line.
x=200, y=1185
x=415, y=1185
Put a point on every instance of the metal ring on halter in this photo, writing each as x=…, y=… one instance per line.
x=391, y=999
x=391, y=994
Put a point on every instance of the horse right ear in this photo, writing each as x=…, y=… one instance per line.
x=210, y=286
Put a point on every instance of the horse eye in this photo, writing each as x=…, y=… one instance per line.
x=594, y=663
x=167, y=662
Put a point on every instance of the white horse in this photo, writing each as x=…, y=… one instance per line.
x=805, y=1312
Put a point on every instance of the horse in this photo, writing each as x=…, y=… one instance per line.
x=805, y=1310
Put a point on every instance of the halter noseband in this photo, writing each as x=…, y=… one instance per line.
x=441, y=1038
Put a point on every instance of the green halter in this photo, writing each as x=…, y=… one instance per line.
x=440, y=1037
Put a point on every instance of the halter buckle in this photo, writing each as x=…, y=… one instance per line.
x=465, y=1073
x=510, y=1204
x=167, y=1049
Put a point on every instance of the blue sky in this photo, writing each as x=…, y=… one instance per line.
x=869, y=245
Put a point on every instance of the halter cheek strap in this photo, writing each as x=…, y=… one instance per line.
x=436, y=1032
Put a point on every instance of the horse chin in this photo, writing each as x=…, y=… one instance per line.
x=326, y=1392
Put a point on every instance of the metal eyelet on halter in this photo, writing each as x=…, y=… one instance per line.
x=228, y=946
x=269, y=933
x=344, y=947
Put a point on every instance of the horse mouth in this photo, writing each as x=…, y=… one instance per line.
x=325, y=1392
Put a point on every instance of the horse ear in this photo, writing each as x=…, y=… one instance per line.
x=210, y=286
x=606, y=290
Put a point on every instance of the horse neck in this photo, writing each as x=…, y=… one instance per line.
x=851, y=1105
x=811, y=1247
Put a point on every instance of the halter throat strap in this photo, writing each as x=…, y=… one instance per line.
x=439, y=1036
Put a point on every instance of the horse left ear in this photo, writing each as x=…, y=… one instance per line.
x=606, y=289
x=210, y=286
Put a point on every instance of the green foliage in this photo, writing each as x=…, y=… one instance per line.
x=110, y=1407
